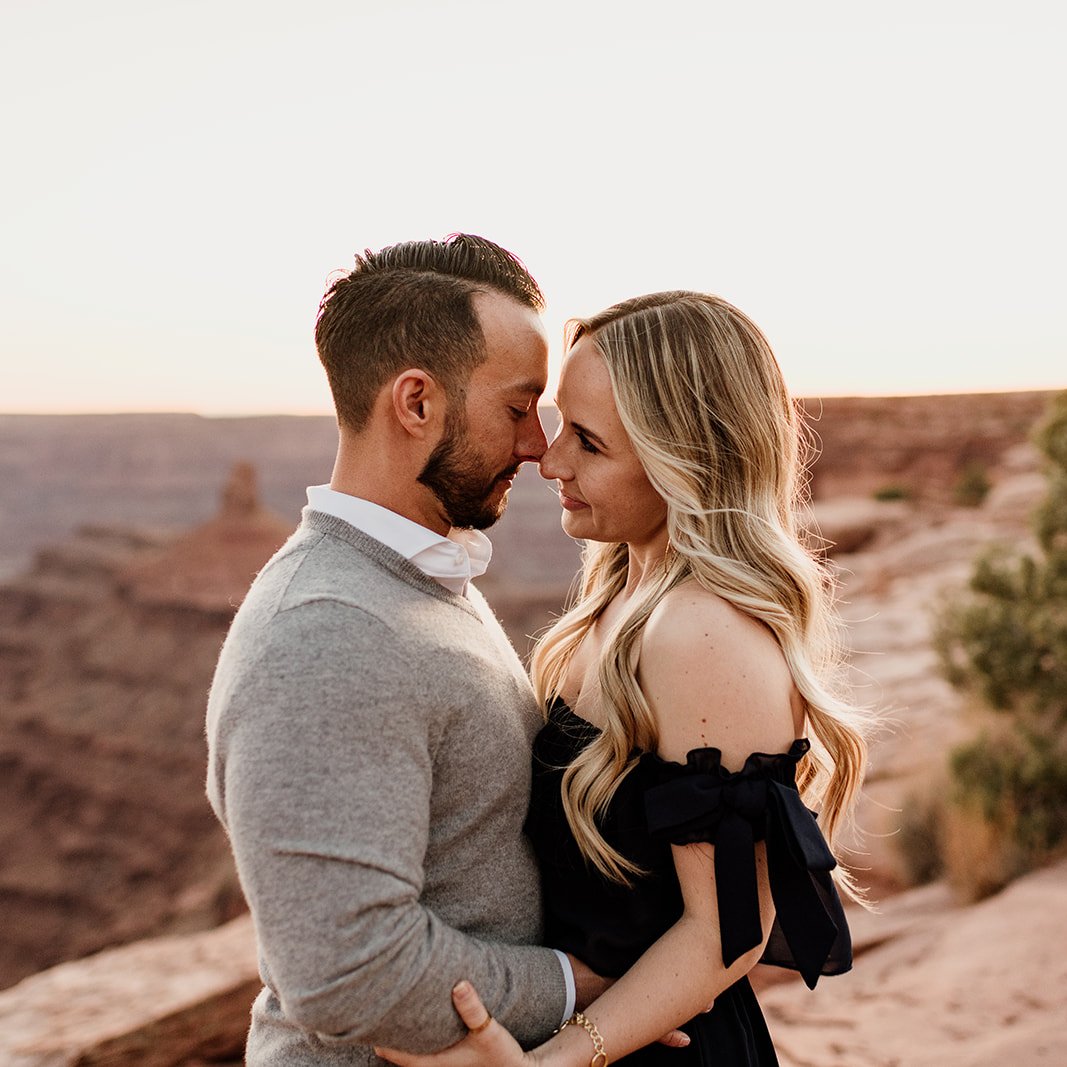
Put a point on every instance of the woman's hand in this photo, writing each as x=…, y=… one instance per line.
x=487, y=1045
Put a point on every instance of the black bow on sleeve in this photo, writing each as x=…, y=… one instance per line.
x=732, y=812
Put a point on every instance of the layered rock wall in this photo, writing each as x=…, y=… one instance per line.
x=107, y=644
x=918, y=445
x=105, y=661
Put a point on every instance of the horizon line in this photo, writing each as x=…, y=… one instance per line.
x=323, y=413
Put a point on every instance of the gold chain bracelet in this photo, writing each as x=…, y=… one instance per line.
x=600, y=1057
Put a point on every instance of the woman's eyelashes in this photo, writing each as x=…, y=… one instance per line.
x=586, y=444
x=583, y=441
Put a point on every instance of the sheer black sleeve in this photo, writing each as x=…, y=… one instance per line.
x=701, y=802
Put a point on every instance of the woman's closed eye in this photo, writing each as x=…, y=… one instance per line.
x=586, y=444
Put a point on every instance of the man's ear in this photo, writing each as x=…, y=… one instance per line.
x=418, y=403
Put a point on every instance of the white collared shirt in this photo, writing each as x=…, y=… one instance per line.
x=453, y=560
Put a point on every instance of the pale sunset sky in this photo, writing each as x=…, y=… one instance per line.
x=880, y=186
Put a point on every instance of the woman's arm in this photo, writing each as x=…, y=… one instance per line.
x=677, y=978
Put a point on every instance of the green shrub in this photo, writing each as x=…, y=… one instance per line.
x=1019, y=783
x=1005, y=641
x=893, y=492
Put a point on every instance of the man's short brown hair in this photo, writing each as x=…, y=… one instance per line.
x=409, y=305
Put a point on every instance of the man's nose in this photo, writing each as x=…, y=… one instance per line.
x=532, y=444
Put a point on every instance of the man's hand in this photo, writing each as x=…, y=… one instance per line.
x=487, y=1044
x=588, y=985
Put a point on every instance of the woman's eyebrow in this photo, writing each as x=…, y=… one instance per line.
x=581, y=429
x=589, y=433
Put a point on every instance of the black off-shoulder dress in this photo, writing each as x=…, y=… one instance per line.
x=662, y=803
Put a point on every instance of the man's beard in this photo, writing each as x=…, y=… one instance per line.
x=457, y=477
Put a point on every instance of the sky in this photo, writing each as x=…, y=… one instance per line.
x=880, y=187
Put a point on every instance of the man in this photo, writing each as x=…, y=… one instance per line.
x=369, y=724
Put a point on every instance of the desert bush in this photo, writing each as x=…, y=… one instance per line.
x=1017, y=780
x=979, y=857
x=893, y=492
x=920, y=840
x=1005, y=642
x=972, y=487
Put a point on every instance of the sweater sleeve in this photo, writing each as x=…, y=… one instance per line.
x=323, y=775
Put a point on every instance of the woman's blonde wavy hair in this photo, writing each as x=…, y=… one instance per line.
x=702, y=398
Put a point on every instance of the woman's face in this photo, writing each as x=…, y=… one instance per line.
x=603, y=489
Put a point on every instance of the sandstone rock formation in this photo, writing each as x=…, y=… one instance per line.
x=58, y=472
x=935, y=985
x=891, y=591
x=938, y=985
x=918, y=444
x=107, y=645
x=157, y=1003
x=106, y=650
x=211, y=567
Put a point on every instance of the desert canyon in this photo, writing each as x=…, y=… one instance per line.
x=126, y=544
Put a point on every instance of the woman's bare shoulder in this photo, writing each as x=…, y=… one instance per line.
x=692, y=620
x=714, y=676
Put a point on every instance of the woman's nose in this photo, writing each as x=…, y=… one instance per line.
x=552, y=466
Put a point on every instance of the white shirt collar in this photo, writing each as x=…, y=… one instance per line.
x=453, y=560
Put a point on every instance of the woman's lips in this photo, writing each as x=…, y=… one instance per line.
x=568, y=503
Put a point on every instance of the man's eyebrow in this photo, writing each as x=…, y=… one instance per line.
x=529, y=386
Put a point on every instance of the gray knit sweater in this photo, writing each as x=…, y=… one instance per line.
x=369, y=755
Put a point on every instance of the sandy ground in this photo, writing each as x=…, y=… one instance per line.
x=977, y=986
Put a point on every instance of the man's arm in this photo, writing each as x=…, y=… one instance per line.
x=327, y=781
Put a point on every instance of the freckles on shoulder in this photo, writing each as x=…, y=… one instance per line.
x=714, y=676
x=691, y=623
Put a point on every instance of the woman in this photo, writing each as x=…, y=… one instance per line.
x=690, y=699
